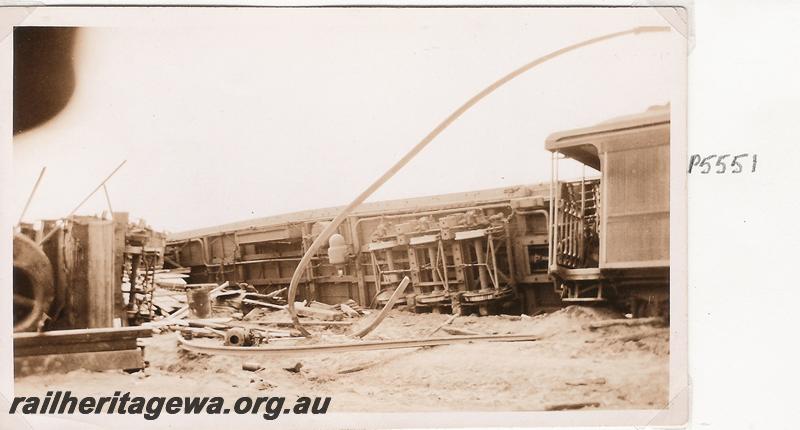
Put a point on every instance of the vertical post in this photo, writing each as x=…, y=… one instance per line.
x=455, y=249
x=581, y=224
x=495, y=280
x=312, y=286
x=555, y=203
x=221, y=269
x=432, y=258
x=93, y=273
x=573, y=238
x=413, y=265
x=120, y=228
x=551, y=218
x=376, y=268
x=445, y=282
x=512, y=279
x=482, y=273
x=363, y=295
x=568, y=227
x=136, y=258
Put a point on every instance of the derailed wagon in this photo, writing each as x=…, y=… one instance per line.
x=528, y=248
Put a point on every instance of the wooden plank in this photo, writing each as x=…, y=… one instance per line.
x=449, y=321
x=336, y=279
x=638, y=336
x=258, y=296
x=68, y=348
x=350, y=312
x=133, y=249
x=215, y=323
x=263, y=304
x=323, y=314
x=320, y=305
x=271, y=281
x=275, y=293
x=459, y=331
x=571, y=406
x=62, y=363
x=626, y=322
x=82, y=335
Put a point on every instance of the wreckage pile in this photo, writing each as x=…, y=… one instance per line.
x=242, y=319
x=235, y=313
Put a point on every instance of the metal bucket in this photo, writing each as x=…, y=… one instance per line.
x=199, y=301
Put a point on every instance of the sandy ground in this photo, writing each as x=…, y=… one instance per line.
x=570, y=364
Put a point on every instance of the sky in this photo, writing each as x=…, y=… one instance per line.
x=282, y=110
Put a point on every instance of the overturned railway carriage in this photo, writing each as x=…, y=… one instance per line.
x=470, y=250
x=526, y=248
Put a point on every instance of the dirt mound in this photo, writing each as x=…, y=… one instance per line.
x=567, y=320
x=585, y=313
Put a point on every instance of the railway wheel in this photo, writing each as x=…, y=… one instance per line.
x=33, y=284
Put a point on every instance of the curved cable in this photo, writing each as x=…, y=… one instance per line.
x=334, y=224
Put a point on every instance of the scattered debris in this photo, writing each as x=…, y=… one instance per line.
x=628, y=322
x=251, y=367
x=359, y=368
x=215, y=323
x=182, y=312
x=593, y=381
x=294, y=369
x=350, y=312
x=263, y=304
x=571, y=406
x=635, y=337
x=320, y=305
x=170, y=280
x=459, y=331
x=449, y=321
x=192, y=332
x=238, y=336
x=323, y=314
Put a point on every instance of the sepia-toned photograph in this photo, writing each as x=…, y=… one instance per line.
x=288, y=212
